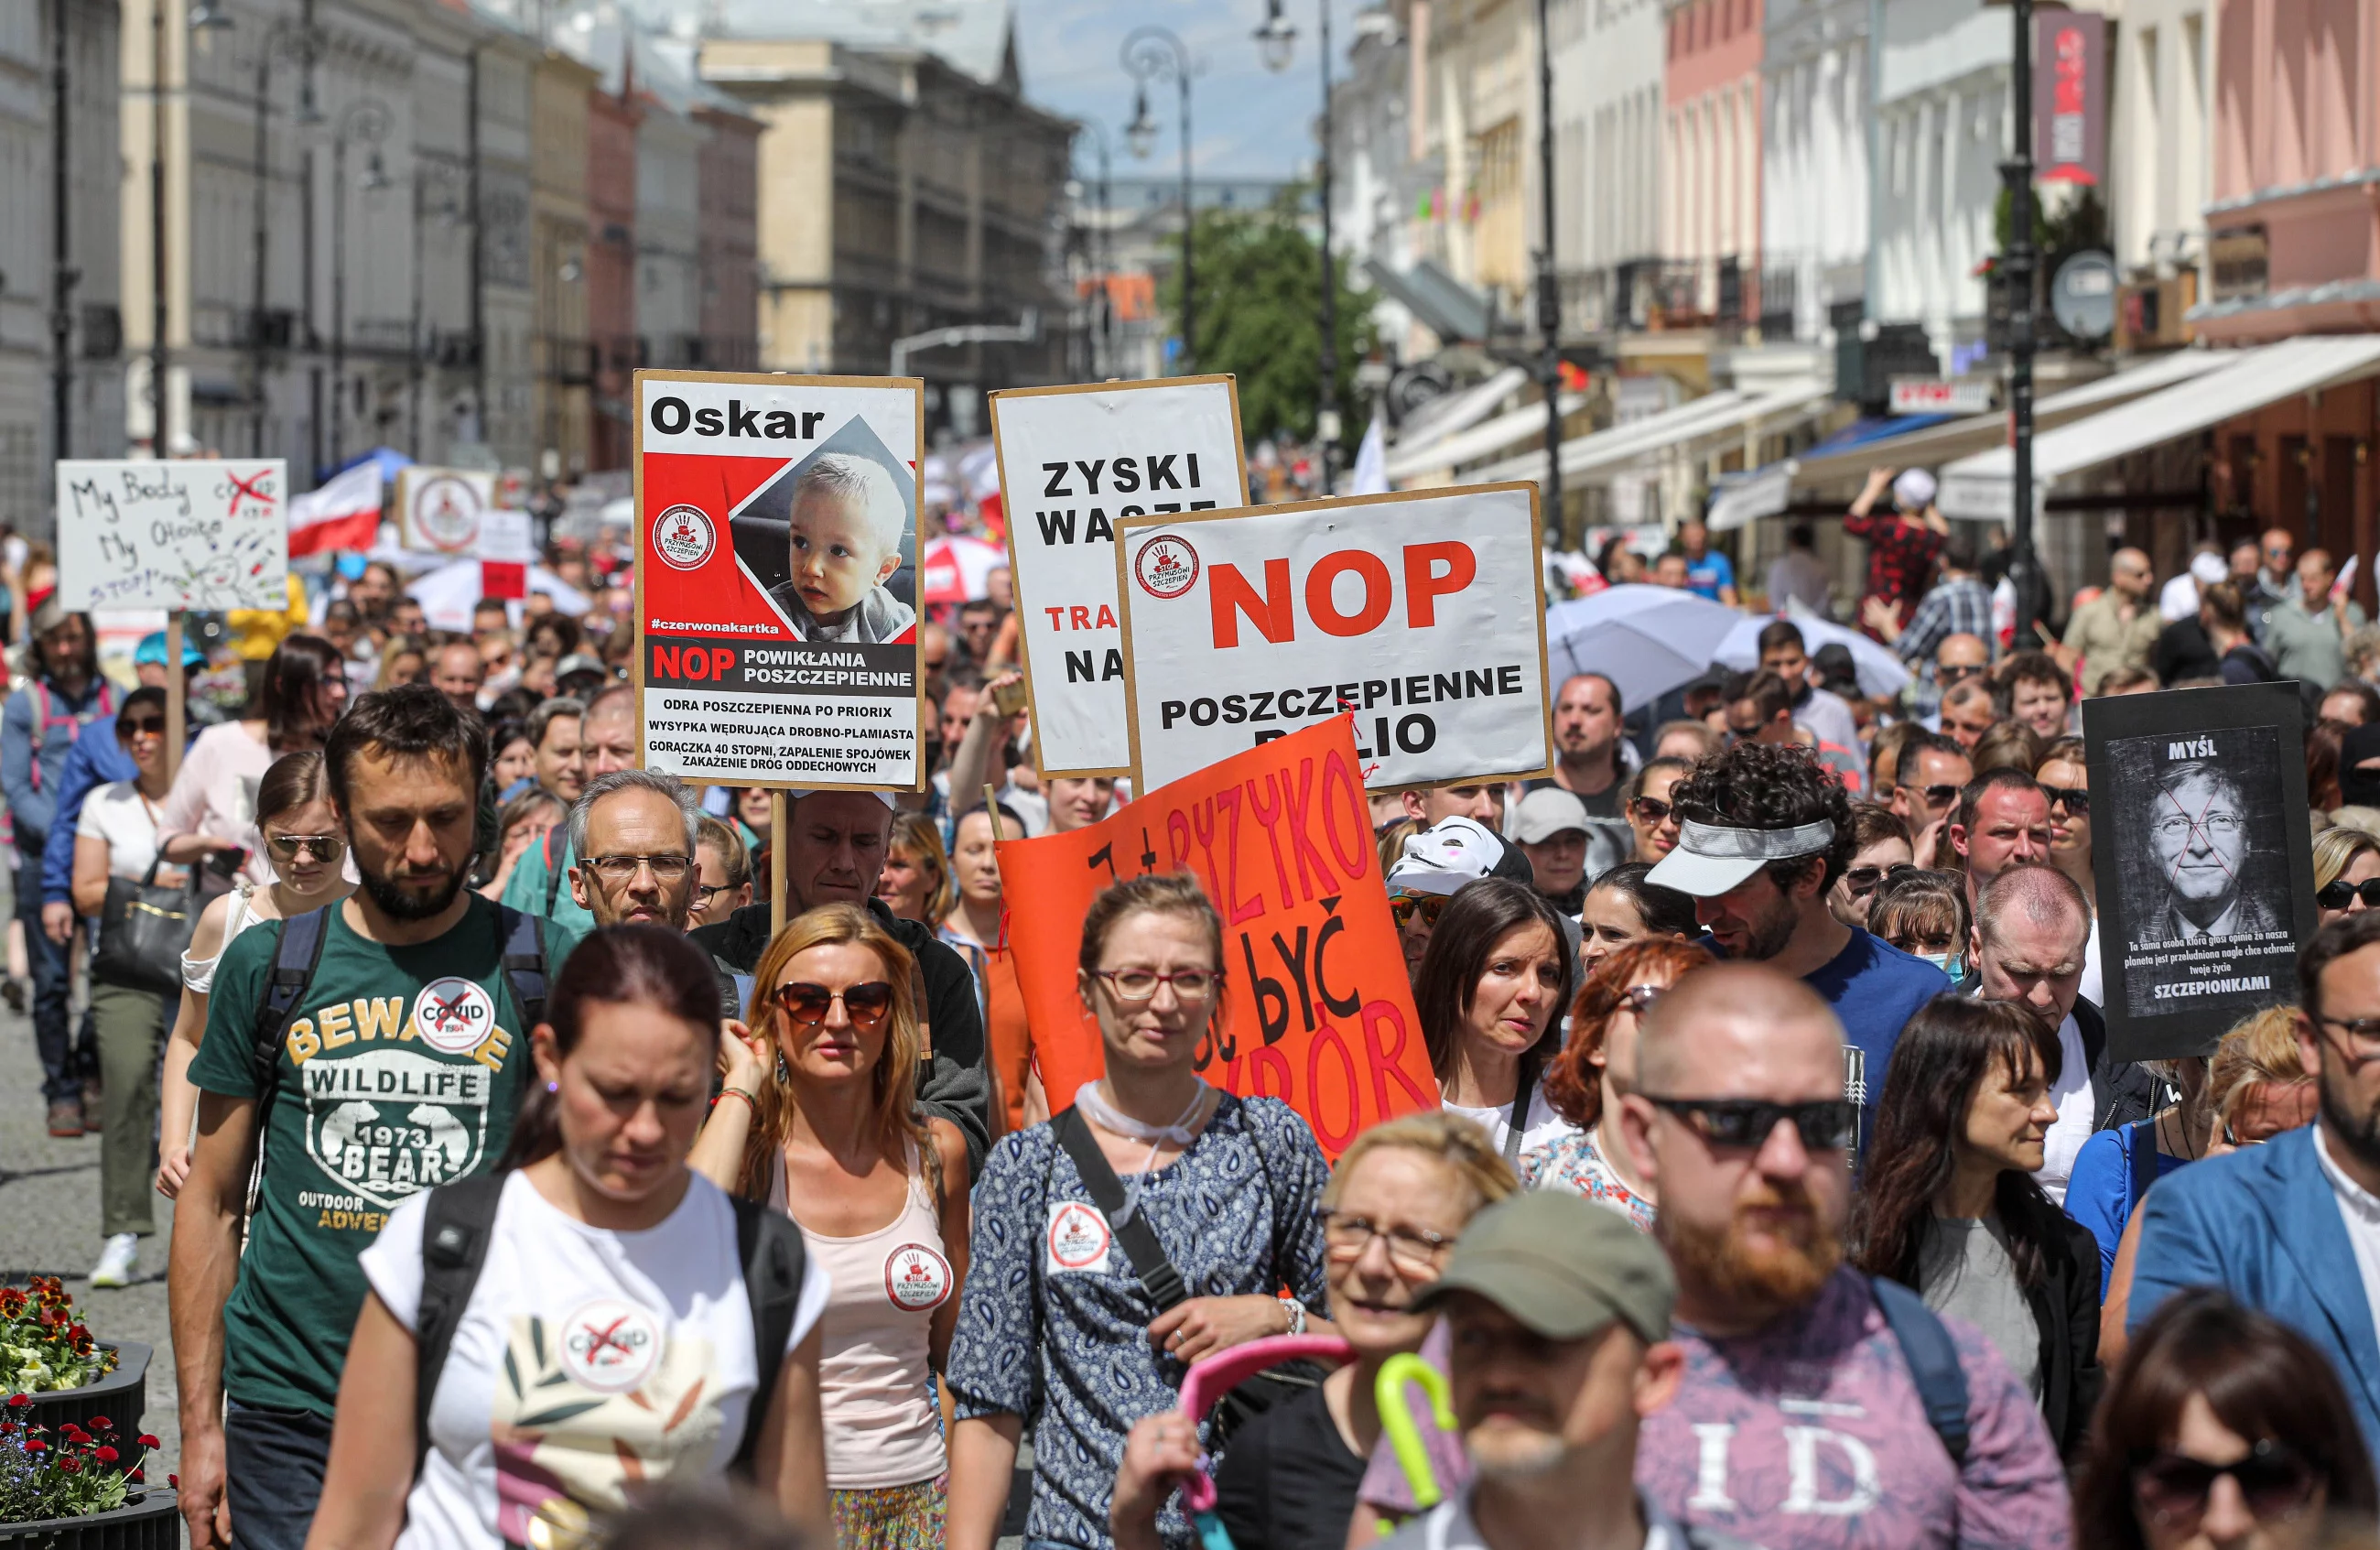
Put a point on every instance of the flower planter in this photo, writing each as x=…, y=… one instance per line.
x=122, y=1397
x=154, y=1522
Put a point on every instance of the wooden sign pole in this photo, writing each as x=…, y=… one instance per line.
x=176, y=691
x=778, y=826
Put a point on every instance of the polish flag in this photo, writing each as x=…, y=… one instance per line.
x=344, y=514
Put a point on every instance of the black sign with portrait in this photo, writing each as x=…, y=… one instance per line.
x=2204, y=859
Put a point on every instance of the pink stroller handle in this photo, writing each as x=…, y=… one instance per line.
x=1212, y=1377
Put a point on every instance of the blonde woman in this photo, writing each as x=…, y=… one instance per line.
x=915, y=882
x=2345, y=873
x=817, y=1117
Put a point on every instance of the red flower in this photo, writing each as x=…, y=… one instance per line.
x=100, y=1423
x=17, y=1401
x=134, y=1476
x=175, y=1481
x=71, y=1429
x=147, y=1441
x=35, y=1444
x=70, y=1466
x=104, y=1455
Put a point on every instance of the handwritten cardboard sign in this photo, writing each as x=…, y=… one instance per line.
x=1317, y=1010
x=147, y=534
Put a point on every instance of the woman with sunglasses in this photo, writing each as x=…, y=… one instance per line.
x=1880, y=844
x=1949, y=1206
x=307, y=851
x=211, y=810
x=1394, y=1205
x=1492, y=986
x=1623, y=908
x=1055, y=1323
x=116, y=836
x=819, y=1118
x=2345, y=873
x=2222, y=1428
x=1645, y=798
x=1597, y=1068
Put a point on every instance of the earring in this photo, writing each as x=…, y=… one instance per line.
x=554, y=1087
x=782, y=1074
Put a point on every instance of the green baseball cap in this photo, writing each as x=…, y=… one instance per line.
x=1563, y=1266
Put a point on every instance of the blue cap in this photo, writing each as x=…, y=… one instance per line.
x=350, y=565
x=152, y=651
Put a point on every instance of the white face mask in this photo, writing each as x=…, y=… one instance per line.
x=1947, y=962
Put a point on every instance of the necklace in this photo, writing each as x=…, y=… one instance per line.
x=1093, y=1101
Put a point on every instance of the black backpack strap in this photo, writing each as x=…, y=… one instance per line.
x=295, y=959
x=1524, y=1090
x=1933, y=1360
x=457, y=1223
x=769, y=1246
x=2143, y=1159
x=1158, y=1279
x=523, y=964
x=554, y=870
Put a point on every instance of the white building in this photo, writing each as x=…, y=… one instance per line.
x=1813, y=194
x=2161, y=140
x=1373, y=181
x=1944, y=121
x=1607, y=58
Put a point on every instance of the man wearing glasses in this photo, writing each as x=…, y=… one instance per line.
x=1798, y=1422
x=1933, y=769
x=633, y=833
x=2198, y=843
x=2292, y=1227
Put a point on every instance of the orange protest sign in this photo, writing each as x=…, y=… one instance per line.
x=1317, y=1010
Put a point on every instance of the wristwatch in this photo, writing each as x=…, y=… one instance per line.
x=1294, y=1312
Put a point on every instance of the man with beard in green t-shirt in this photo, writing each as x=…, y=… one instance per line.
x=399, y=1066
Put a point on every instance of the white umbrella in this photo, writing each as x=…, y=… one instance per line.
x=1646, y=640
x=1881, y=675
x=447, y=594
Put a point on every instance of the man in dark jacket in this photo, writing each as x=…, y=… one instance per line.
x=835, y=848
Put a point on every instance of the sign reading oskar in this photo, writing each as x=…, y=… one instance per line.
x=1074, y=461
x=1422, y=614
x=2202, y=858
x=776, y=576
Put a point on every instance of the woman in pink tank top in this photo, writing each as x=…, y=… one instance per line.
x=819, y=1118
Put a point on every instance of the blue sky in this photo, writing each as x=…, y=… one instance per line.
x=1244, y=122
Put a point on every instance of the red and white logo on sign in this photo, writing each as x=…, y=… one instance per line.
x=682, y=537
x=1166, y=566
x=453, y=1016
x=916, y=1278
x=610, y=1345
x=1078, y=1239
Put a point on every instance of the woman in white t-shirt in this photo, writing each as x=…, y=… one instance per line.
x=116, y=836
x=307, y=849
x=827, y=1130
x=1491, y=990
x=607, y=1346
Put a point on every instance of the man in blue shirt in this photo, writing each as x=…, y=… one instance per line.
x=1763, y=831
x=38, y=728
x=1708, y=574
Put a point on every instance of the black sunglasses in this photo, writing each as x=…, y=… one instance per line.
x=1862, y=880
x=2273, y=1483
x=1651, y=810
x=1936, y=796
x=2340, y=893
x=136, y=726
x=1826, y=1124
x=2077, y=799
x=1953, y=672
x=1430, y=906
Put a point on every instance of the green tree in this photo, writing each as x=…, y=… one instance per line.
x=1259, y=318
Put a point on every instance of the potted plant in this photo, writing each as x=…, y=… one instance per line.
x=50, y=1361
x=79, y=1487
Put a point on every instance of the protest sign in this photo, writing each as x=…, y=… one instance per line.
x=508, y=548
x=2203, y=860
x=1317, y=1010
x=776, y=579
x=1074, y=461
x=1423, y=614
x=174, y=535
x=439, y=511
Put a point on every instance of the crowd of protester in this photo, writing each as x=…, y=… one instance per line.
x=1784, y=1188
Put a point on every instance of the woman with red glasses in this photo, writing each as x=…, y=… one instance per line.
x=2223, y=1428
x=819, y=1118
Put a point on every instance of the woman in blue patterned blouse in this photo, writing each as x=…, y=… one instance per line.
x=1055, y=1328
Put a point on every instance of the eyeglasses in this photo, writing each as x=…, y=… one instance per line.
x=1430, y=906
x=1825, y=1125
x=806, y=1003
x=1640, y=998
x=325, y=849
x=2275, y=1483
x=1346, y=1237
x=2077, y=799
x=1936, y=796
x=705, y=892
x=1862, y=881
x=2340, y=893
x=143, y=726
x=1954, y=672
x=1650, y=810
x=2362, y=1042
x=1140, y=984
x=2216, y=825
x=617, y=870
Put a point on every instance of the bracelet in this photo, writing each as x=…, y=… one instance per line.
x=750, y=1102
x=1294, y=1312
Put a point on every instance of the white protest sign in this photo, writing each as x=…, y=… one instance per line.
x=187, y=535
x=440, y=510
x=1423, y=614
x=1074, y=461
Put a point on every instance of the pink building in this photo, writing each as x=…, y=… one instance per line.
x=1710, y=215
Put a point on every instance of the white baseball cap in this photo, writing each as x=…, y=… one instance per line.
x=1913, y=490
x=1711, y=861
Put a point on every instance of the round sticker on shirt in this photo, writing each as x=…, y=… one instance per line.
x=916, y=1278
x=611, y=1346
x=1078, y=1237
x=453, y=1016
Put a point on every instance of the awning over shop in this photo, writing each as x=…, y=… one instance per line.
x=1713, y=417
x=1741, y=499
x=1980, y=486
x=1455, y=446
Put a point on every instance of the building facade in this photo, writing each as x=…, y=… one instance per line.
x=1609, y=193
x=1814, y=183
x=1711, y=148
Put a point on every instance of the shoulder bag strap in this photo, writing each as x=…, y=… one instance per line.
x=1524, y=1090
x=295, y=959
x=457, y=1223
x=769, y=1245
x=2143, y=1159
x=1933, y=1360
x=1158, y=1279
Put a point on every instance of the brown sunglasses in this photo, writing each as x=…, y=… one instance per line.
x=808, y=1003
